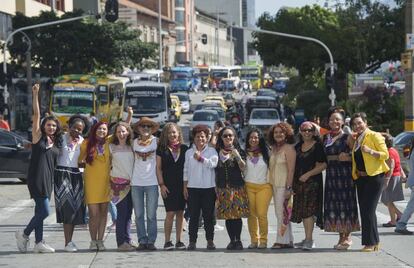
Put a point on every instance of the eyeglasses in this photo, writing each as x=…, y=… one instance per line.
x=227, y=136
x=308, y=130
x=146, y=126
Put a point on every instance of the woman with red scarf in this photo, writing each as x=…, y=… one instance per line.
x=96, y=156
x=170, y=168
x=232, y=198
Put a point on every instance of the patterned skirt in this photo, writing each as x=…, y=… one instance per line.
x=232, y=203
x=69, y=196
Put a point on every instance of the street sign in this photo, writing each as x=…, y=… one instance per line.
x=406, y=60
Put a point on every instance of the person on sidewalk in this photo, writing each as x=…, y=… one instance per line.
x=3, y=123
x=369, y=154
x=232, y=201
x=281, y=170
x=307, y=183
x=170, y=171
x=340, y=205
x=393, y=189
x=68, y=181
x=145, y=183
x=199, y=185
x=46, y=143
x=401, y=227
x=259, y=190
x=96, y=156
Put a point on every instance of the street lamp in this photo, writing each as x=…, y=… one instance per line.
x=160, y=34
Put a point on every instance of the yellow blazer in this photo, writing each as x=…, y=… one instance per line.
x=373, y=165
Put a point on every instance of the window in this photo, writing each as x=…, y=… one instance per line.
x=7, y=140
x=179, y=17
x=179, y=3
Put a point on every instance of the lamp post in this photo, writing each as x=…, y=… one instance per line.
x=160, y=34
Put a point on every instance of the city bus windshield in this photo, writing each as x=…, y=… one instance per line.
x=220, y=74
x=181, y=75
x=72, y=102
x=249, y=74
x=146, y=99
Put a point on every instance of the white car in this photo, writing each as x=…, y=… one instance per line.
x=184, y=100
x=204, y=117
x=263, y=118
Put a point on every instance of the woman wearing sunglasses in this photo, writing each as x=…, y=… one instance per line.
x=368, y=168
x=307, y=182
x=232, y=202
x=144, y=183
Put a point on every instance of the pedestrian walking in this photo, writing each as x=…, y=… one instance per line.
x=401, y=227
x=392, y=190
x=3, y=123
x=46, y=143
x=170, y=171
x=232, y=201
x=340, y=205
x=369, y=154
x=68, y=181
x=96, y=156
x=144, y=183
x=199, y=185
x=259, y=190
x=281, y=170
x=307, y=183
x=122, y=163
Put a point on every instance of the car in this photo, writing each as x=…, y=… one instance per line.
x=204, y=106
x=261, y=102
x=263, y=118
x=204, y=117
x=216, y=99
x=266, y=92
x=402, y=143
x=185, y=101
x=227, y=84
x=15, y=153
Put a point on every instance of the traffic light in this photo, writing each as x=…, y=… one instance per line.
x=111, y=10
x=204, y=39
x=329, y=80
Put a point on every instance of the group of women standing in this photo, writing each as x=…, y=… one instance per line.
x=218, y=180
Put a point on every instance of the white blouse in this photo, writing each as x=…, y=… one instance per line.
x=68, y=157
x=256, y=173
x=122, y=161
x=144, y=173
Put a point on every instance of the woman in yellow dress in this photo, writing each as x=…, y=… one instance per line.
x=96, y=156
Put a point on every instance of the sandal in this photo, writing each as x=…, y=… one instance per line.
x=388, y=224
x=344, y=245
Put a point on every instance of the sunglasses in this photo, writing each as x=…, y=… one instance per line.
x=307, y=130
x=146, y=126
x=227, y=136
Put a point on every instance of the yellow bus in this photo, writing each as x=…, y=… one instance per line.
x=252, y=73
x=83, y=94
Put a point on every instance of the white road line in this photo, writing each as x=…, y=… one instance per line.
x=14, y=208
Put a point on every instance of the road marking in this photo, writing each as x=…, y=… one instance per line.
x=14, y=208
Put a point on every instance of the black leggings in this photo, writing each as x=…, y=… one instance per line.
x=234, y=228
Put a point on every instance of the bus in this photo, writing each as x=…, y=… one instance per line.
x=204, y=73
x=150, y=99
x=252, y=73
x=83, y=94
x=184, y=78
x=231, y=72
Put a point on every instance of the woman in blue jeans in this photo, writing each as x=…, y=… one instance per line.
x=47, y=140
x=144, y=183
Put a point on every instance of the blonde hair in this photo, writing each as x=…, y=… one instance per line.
x=163, y=140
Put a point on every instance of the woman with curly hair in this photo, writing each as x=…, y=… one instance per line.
x=170, y=167
x=69, y=193
x=47, y=141
x=96, y=156
x=281, y=170
x=259, y=190
x=232, y=200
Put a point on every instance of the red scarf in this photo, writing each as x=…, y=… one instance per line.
x=254, y=154
x=175, y=149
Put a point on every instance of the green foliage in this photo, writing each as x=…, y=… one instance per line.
x=80, y=46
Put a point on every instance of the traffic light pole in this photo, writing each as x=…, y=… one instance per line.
x=409, y=88
x=332, y=96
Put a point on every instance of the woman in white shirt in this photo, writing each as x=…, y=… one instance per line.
x=68, y=181
x=144, y=183
x=259, y=190
x=122, y=163
x=199, y=185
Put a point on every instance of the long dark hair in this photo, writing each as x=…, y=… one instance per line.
x=220, y=143
x=57, y=136
x=262, y=144
x=92, y=141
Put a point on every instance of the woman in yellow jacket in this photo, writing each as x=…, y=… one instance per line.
x=368, y=168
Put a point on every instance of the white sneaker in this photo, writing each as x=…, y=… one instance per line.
x=300, y=244
x=71, y=247
x=218, y=227
x=42, y=247
x=100, y=245
x=93, y=245
x=22, y=241
x=308, y=245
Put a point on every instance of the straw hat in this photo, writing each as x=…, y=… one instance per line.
x=147, y=121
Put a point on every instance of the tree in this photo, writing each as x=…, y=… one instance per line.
x=80, y=46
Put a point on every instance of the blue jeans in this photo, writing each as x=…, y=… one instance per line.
x=408, y=212
x=149, y=194
x=42, y=210
x=113, y=211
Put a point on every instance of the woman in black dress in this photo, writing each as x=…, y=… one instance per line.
x=307, y=183
x=47, y=141
x=170, y=167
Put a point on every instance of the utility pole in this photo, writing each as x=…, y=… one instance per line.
x=191, y=32
x=159, y=35
x=409, y=89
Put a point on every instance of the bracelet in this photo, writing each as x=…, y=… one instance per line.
x=371, y=152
